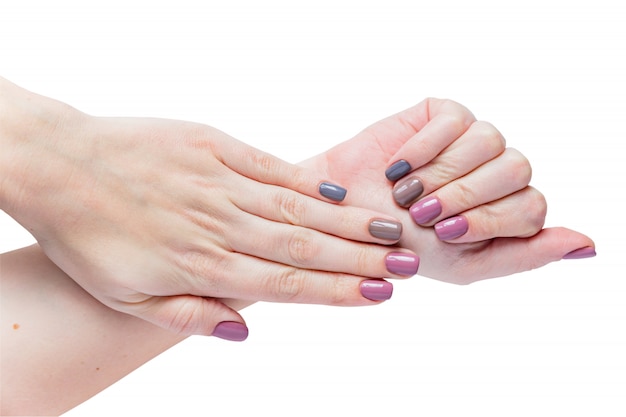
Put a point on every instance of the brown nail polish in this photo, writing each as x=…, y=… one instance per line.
x=385, y=229
x=407, y=191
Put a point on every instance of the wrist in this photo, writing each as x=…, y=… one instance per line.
x=33, y=132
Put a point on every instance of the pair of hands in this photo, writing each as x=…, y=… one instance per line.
x=172, y=221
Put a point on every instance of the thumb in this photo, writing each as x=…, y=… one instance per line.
x=508, y=256
x=192, y=315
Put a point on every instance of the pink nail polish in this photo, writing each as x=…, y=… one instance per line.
x=451, y=228
x=425, y=210
x=586, y=252
x=402, y=263
x=376, y=289
x=231, y=330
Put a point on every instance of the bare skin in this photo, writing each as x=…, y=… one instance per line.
x=44, y=373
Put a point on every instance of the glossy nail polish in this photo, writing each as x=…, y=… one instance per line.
x=406, y=191
x=332, y=191
x=451, y=228
x=397, y=170
x=402, y=263
x=376, y=289
x=231, y=330
x=385, y=229
x=425, y=210
x=586, y=252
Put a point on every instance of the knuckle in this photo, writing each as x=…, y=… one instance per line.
x=521, y=169
x=339, y=292
x=455, y=110
x=289, y=285
x=265, y=163
x=187, y=317
x=537, y=209
x=442, y=170
x=291, y=207
x=301, y=248
x=456, y=121
x=203, y=270
x=491, y=140
x=298, y=179
x=361, y=260
x=463, y=195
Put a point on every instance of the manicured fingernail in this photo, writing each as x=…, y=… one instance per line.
x=451, y=228
x=425, y=210
x=376, y=289
x=397, y=170
x=385, y=229
x=586, y=252
x=231, y=330
x=402, y=263
x=408, y=190
x=332, y=191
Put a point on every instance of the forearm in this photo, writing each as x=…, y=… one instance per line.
x=59, y=345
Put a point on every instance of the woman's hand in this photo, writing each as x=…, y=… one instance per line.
x=455, y=174
x=152, y=217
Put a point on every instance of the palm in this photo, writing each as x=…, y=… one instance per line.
x=360, y=163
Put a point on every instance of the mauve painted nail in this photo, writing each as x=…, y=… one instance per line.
x=402, y=263
x=231, y=330
x=451, y=228
x=385, y=229
x=425, y=210
x=586, y=252
x=408, y=190
x=397, y=170
x=376, y=289
x=332, y=191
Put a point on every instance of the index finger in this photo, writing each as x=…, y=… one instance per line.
x=447, y=120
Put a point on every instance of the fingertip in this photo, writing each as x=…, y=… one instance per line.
x=385, y=229
x=376, y=289
x=559, y=243
x=231, y=330
x=581, y=253
x=398, y=170
x=332, y=192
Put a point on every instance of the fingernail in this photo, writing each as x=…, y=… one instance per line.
x=332, y=191
x=586, y=252
x=231, y=330
x=385, y=229
x=397, y=170
x=425, y=210
x=451, y=228
x=376, y=289
x=408, y=190
x=402, y=263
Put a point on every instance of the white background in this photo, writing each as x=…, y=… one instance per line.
x=295, y=78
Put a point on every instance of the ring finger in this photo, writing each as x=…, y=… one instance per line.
x=504, y=175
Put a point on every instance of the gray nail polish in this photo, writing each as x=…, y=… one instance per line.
x=385, y=229
x=407, y=191
x=332, y=191
x=397, y=170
